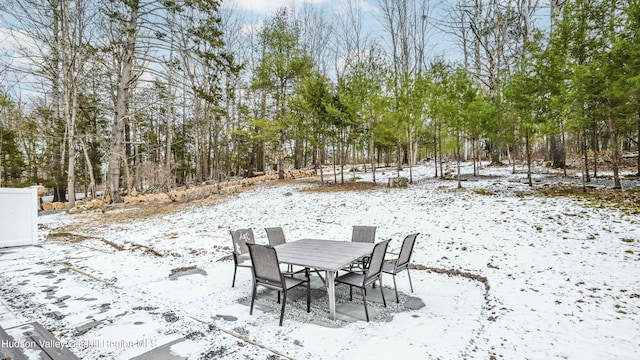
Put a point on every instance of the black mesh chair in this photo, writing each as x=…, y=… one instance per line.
x=394, y=266
x=369, y=276
x=241, y=238
x=365, y=234
x=266, y=273
x=275, y=235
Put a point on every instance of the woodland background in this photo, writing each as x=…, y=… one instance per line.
x=127, y=95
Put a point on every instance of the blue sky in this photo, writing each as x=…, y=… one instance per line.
x=440, y=44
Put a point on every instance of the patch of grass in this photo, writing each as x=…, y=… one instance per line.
x=484, y=192
x=347, y=186
x=627, y=240
x=626, y=200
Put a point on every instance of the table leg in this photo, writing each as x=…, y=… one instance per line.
x=331, y=289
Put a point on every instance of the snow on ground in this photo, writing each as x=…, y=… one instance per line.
x=561, y=276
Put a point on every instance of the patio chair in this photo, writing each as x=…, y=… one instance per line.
x=365, y=234
x=266, y=272
x=275, y=235
x=241, y=238
x=369, y=277
x=394, y=266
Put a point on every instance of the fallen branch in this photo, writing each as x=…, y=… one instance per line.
x=213, y=326
x=148, y=249
x=71, y=267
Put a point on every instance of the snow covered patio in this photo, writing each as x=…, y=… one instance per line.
x=502, y=273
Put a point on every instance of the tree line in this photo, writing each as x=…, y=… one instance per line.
x=142, y=94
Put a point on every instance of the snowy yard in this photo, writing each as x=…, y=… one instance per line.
x=504, y=274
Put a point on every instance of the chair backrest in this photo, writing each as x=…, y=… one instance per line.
x=241, y=238
x=265, y=265
x=406, y=250
x=363, y=234
x=376, y=262
x=275, y=235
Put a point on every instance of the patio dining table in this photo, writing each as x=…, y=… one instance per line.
x=327, y=255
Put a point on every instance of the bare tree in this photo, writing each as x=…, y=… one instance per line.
x=62, y=27
x=406, y=23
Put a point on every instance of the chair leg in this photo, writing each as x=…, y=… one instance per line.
x=308, y=295
x=278, y=297
x=382, y=292
x=396, y=287
x=284, y=302
x=351, y=293
x=233, y=283
x=409, y=275
x=364, y=300
x=253, y=297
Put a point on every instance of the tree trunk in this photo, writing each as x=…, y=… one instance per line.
x=439, y=164
x=473, y=156
x=638, y=145
x=555, y=152
x=615, y=163
x=321, y=159
x=435, y=149
x=372, y=150
x=92, y=180
x=596, y=152
x=123, y=96
x=458, y=158
x=281, y=140
x=496, y=154
x=585, y=151
x=298, y=152
x=528, y=154
x=59, y=188
x=410, y=155
x=71, y=177
x=399, y=152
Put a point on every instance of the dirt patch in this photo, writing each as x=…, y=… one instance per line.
x=182, y=269
x=347, y=186
x=69, y=237
x=77, y=238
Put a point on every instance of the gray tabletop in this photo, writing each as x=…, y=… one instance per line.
x=328, y=255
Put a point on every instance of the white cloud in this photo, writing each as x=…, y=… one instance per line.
x=248, y=29
x=12, y=40
x=268, y=6
x=19, y=54
x=361, y=5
